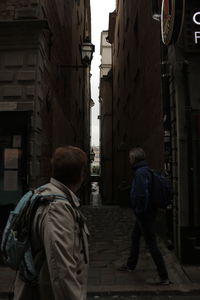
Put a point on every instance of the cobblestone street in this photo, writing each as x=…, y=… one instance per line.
x=115, y=297
x=110, y=228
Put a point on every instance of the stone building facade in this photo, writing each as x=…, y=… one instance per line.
x=44, y=90
x=181, y=96
x=105, y=98
x=133, y=92
x=154, y=93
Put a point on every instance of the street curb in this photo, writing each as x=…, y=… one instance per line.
x=120, y=292
x=145, y=293
x=180, y=289
x=6, y=295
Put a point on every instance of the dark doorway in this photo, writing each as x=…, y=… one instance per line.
x=13, y=160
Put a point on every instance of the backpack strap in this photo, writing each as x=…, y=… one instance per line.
x=79, y=216
x=82, y=223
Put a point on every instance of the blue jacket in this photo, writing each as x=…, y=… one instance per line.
x=141, y=189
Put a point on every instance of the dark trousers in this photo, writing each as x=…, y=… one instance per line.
x=146, y=227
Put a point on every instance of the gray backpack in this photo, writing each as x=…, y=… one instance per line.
x=16, y=242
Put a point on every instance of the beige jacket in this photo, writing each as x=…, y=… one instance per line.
x=56, y=231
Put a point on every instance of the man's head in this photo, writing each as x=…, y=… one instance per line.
x=69, y=166
x=136, y=154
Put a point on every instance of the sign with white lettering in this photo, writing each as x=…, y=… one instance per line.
x=192, y=26
x=196, y=20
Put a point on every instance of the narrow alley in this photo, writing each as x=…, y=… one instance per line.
x=146, y=95
x=110, y=228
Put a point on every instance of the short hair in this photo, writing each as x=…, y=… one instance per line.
x=67, y=164
x=136, y=154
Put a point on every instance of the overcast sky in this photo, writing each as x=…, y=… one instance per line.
x=100, y=10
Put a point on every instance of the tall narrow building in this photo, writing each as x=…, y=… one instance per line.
x=132, y=93
x=180, y=29
x=154, y=91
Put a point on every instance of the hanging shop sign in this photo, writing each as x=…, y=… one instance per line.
x=172, y=18
x=196, y=21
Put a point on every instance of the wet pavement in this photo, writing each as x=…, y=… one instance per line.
x=110, y=228
x=134, y=297
x=116, y=297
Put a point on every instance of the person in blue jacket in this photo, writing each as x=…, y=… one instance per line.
x=145, y=213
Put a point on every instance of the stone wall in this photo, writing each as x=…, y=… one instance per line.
x=35, y=44
x=20, y=9
x=137, y=104
x=106, y=133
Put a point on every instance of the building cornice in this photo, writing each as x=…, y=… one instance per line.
x=29, y=23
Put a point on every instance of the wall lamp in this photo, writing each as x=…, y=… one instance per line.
x=86, y=51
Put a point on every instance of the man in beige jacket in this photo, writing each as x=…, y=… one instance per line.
x=59, y=235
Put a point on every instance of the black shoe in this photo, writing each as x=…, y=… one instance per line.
x=125, y=268
x=164, y=282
